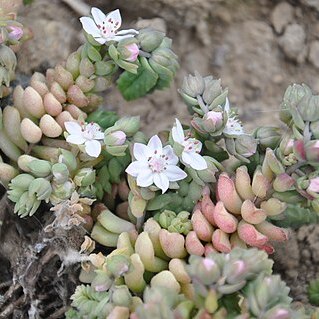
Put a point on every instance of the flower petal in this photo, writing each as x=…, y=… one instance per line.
x=98, y=16
x=120, y=37
x=99, y=136
x=127, y=31
x=90, y=27
x=169, y=152
x=93, y=148
x=141, y=152
x=73, y=128
x=136, y=168
x=145, y=178
x=161, y=181
x=174, y=173
x=155, y=144
x=178, y=132
x=227, y=105
x=194, y=160
x=115, y=17
x=100, y=40
x=75, y=139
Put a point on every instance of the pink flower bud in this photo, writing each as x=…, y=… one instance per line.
x=209, y=264
x=226, y=192
x=134, y=50
x=224, y=220
x=221, y=241
x=215, y=117
x=15, y=33
x=249, y=234
x=288, y=147
x=314, y=185
x=120, y=137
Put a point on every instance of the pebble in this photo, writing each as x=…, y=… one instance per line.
x=313, y=55
x=293, y=43
x=281, y=16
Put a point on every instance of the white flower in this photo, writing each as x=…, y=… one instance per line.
x=87, y=134
x=233, y=125
x=155, y=164
x=104, y=28
x=192, y=147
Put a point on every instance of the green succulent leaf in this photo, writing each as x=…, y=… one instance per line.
x=133, y=86
x=296, y=216
x=313, y=292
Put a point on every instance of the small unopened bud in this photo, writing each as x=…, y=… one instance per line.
x=15, y=33
x=313, y=187
x=115, y=138
x=268, y=136
x=150, y=39
x=129, y=52
x=193, y=85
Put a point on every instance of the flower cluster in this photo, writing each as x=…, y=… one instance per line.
x=178, y=213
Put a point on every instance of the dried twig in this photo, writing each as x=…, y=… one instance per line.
x=78, y=6
x=5, y=284
x=11, y=307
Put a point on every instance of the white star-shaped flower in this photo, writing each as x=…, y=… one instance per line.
x=155, y=164
x=88, y=134
x=233, y=125
x=104, y=28
x=192, y=148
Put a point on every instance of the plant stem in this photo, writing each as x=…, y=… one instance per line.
x=202, y=104
x=144, y=54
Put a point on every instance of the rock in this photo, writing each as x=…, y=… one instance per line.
x=293, y=43
x=281, y=16
x=311, y=3
x=313, y=55
x=156, y=23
